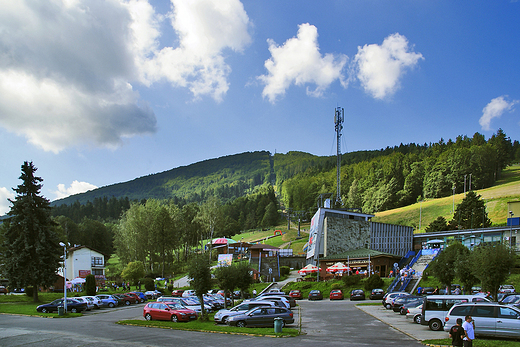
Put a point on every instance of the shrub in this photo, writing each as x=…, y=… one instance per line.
x=148, y=283
x=90, y=285
x=285, y=270
x=374, y=281
x=351, y=280
x=336, y=286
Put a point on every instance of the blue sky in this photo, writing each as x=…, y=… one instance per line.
x=100, y=92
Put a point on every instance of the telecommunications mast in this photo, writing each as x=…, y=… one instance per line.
x=339, y=117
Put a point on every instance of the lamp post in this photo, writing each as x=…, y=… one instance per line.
x=64, y=275
x=510, y=227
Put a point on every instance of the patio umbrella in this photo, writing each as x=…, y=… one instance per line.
x=223, y=241
x=310, y=268
x=78, y=280
x=338, y=267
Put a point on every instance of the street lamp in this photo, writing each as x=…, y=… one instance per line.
x=510, y=227
x=64, y=275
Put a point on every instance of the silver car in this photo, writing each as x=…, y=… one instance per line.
x=222, y=315
x=490, y=319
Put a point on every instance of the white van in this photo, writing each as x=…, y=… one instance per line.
x=435, y=308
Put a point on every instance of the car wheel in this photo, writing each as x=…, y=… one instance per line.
x=388, y=306
x=417, y=319
x=44, y=310
x=141, y=301
x=174, y=318
x=435, y=324
x=74, y=310
x=127, y=303
x=241, y=324
x=402, y=312
x=111, y=305
x=224, y=320
x=148, y=317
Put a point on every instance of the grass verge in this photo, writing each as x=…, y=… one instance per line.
x=211, y=327
x=29, y=309
x=478, y=342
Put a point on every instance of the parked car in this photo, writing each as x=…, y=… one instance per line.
x=95, y=300
x=376, y=294
x=177, y=292
x=357, y=294
x=491, y=319
x=403, y=300
x=136, y=296
x=108, y=300
x=435, y=308
x=3, y=290
x=412, y=303
x=222, y=315
x=87, y=302
x=73, y=306
x=168, y=311
x=187, y=293
x=476, y=289
x=390, y=297
x=151, y=295
x=287, y=300
x=142, y=296
x=296, y=294
x=414, y=313
x=506, y=288
x=336, y=294
x=261, y=316
x=237, y=294
x=315, y=295
x=127, y=299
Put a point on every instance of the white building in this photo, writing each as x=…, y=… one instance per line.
x=82, y=261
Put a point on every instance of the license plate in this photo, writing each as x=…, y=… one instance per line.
x=193, y=317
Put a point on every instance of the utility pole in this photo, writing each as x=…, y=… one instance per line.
x=339, y=117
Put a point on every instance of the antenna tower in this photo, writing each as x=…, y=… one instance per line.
x=339, y=117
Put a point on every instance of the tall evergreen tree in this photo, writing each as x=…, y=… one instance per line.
x=31, y=247
x=470, y=213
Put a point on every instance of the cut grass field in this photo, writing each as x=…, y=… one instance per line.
x=210, y=326
x=506, y=190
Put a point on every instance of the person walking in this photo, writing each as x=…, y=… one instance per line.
x=469, y=331
x=457, y=334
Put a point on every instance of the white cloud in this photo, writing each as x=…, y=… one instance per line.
x=380, y=67
x=67, y=66
x=299, y=61
x=205, y=29
x=75, y=188
x=495, y=109
x=5, y=205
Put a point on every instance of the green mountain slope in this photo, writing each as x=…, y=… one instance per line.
x=506, y=190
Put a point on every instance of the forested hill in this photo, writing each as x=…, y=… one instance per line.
x=227, y=177
x=374, y=180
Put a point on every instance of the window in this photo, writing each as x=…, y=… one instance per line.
x=96, y=261
x=97, y=272
x=461, y=311
x=434, y=305
x=484, y=311
x=506, y=312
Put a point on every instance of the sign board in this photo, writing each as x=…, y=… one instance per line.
x=225, y=259
x=84, y=273
x=315, y=233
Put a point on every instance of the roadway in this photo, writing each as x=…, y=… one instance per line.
x=337, y=323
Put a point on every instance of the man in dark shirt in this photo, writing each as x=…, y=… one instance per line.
x=457, y=333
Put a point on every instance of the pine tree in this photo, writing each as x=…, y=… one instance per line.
x=31, y=247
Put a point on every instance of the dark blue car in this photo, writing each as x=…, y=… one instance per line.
x=73, y=306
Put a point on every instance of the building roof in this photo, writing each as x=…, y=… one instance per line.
x=77, y=248
x=262, y=246
x=359, y=253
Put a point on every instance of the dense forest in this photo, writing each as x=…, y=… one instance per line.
x=404, y=174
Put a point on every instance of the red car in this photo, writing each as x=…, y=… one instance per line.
x=296, y=294
x=168, y=311
x=336, y=294
x=177, y=292
x=135, y=296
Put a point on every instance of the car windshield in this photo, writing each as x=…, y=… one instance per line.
x=191, y=301
x=511, y=299
x=176, y=306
